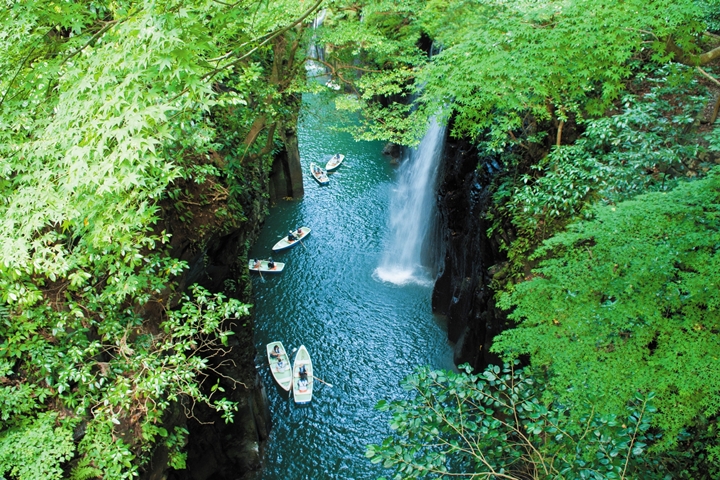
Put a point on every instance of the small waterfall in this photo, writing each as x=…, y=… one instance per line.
x=413, y=212
x=315, y=50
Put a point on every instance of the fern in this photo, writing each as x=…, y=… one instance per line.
x=84, y=471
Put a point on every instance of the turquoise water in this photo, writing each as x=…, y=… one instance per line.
x=364, y=335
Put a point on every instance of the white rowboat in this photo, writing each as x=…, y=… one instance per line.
x=319, y=173
x=264, y=266
x=302, y=384
x=284, y=243
x=279, y=364
x=334, y=161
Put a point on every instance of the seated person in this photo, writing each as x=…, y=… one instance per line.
x=271, y=264
x=275, y=353
x=302, y=384
x=280, y=365
x=291, y=237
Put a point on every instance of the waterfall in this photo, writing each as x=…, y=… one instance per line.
x=413, y=213
x=314, y=50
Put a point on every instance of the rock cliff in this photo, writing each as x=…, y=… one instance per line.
x=462, y=289
x=214, y=237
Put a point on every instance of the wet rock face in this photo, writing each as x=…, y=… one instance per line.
x=462, y=289
x=227, y=451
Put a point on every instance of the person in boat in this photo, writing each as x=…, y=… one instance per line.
x=302, y=371
x=271, y=263
x=291, y=237
x=256, y=263
x=299, y=232
x=275, y=353
x=303, y=384
x=280, y=364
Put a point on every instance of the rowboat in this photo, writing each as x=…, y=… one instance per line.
x=302, y=384
x=334, y=161
x=319, y=173
x=279, y=364
x=285, y=242
x=264, y=266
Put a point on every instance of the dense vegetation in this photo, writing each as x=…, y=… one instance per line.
x=109, y=110
x=595, y=112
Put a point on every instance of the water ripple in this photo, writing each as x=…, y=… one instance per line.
x=364, y=334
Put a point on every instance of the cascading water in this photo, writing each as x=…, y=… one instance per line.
x=316, y=51
x=413, y=212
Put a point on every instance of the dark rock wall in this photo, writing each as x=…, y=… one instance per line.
x=286, y=175
x=462, y=289
x=215, y=248
x=219, y=450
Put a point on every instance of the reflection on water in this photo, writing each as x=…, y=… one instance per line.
x=363, y=335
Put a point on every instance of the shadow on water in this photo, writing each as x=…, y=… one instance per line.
x=364, y=335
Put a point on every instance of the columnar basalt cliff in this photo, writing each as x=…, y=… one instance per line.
x=215, y=247
x=462, y=289
x=286, y=175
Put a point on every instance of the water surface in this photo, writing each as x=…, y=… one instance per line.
x=364, y=335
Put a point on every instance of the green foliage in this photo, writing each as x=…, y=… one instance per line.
x=372, y=50
x=628, y=302
x=175, y=442
x=85, y=472
x=501, y=67
x=36, y=447
x=500, y=425
x=643, y=147
x=128, y=392
x=105, y=107
x=712, y=14
x=505, y=63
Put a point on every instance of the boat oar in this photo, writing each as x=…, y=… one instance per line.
x=301, y=243
x=322, y=381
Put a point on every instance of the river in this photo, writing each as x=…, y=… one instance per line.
x=364, y=334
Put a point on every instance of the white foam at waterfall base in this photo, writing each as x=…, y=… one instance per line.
x=412, y=211
x=400, y=276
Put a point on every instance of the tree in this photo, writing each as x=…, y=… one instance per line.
x=649, y=143
x=504, y=65
x=499, y=425
x=627, y=302
x=104, y=107
x=519, y=70
x=373, y=50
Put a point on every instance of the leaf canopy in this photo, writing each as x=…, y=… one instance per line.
x=629, y=302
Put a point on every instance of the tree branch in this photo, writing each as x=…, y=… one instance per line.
x=690, y=59
x=97, y=35
x=264, y=42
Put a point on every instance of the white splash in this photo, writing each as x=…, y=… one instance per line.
x=412, y=213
